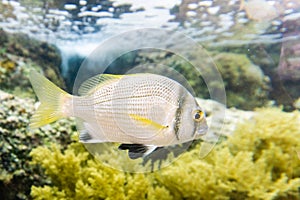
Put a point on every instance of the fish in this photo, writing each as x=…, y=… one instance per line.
x=141, y=112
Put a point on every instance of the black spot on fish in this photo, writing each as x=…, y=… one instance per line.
x=134, y=150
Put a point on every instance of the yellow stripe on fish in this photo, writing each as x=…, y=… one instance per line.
x=147, y=121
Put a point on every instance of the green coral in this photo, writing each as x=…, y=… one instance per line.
x=257, y=162
x=245, y=84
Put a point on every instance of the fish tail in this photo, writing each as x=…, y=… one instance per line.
x=52, y=98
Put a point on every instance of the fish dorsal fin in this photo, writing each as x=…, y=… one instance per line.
x=146, y=121
x=97, y=81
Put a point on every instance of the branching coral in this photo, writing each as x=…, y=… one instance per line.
x=257, y=162
x=273, y=136
x=76, y=176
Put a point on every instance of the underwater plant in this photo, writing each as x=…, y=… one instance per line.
x=257, y=162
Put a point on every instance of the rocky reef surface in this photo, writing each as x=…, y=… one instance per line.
x=19, y=54
x=246, y=84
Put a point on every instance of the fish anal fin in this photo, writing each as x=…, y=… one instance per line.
x=147, y=121
x=97, y=81
x=136, y=151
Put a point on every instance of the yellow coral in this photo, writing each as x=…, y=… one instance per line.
x=272, y=135
x=85, y=178
x=257, y=162
x=8, y=65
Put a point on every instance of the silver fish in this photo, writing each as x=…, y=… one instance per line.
x=140, y=111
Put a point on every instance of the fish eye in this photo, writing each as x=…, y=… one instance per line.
x=198, y=115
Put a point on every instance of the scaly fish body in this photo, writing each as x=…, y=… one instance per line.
x=145, y=109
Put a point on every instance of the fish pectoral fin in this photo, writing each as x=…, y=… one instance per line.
x=85, y=136
x=147, y=121
x=137, y=150
x=88, y=132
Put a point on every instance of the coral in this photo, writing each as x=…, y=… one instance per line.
x=20, y=54
x=76, y=176
x=245, y=84
x=297, y=104
x=14, y=74
x=20, y=47
x=257, y=162
x=273, y=136
x=8, y=65
x=16, y=141
x=6, y=11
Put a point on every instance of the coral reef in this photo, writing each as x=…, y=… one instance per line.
x=16, y=141
x=257, y=162
x=285, y=88
x=246, y=85
x=14, y=74
x=297, y=104
x=18, y=55
x=28, y=50
x=6, y=11
x=76, y=176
